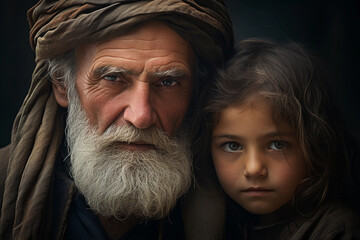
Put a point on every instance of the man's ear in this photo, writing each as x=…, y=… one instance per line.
x=60, y=93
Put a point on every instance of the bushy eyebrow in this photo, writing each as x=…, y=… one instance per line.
x=174, y=72
x=104, y=70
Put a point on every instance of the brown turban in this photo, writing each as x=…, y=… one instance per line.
x=57, y=27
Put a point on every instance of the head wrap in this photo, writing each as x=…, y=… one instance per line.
x=57, y=27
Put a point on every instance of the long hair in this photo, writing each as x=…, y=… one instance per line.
x=294, y=85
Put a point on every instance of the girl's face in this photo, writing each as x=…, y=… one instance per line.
x=258, y=161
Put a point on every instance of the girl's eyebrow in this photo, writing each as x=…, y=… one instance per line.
x=279, y=134
x=231, y=136
x=266, y=135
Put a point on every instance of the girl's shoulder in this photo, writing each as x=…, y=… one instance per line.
x=330, y=221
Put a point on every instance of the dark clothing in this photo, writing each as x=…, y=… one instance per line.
x=82, y=223
x=332, y=221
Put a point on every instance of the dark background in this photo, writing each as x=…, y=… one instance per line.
x=330, y=29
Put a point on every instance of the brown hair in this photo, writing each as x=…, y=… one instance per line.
x=288, y=78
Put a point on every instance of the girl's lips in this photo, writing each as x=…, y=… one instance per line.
x=256, y=191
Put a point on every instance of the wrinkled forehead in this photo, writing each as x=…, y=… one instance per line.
x=153, y=45
x=145, y=37
x=153, y=30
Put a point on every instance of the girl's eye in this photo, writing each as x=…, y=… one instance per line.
x=232, y=147
x=168, y=82
x=277, y=145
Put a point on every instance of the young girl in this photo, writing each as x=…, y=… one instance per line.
x=276, y=147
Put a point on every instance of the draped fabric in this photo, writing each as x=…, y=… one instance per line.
x=57, y=27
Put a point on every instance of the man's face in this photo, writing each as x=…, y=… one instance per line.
x=143, y=78
x=128, y=154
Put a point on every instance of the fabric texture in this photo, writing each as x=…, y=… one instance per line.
x=57, y=27
x=331, y=221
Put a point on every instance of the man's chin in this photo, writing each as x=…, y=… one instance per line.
x=141, y=184
x=141, y=180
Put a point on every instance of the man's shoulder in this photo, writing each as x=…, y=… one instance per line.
x=4, y=161
x=5, y=151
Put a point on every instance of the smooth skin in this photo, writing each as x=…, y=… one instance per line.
x=143, y=78
x=258, y=161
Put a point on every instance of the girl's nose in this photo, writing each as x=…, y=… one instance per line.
x=255, y=166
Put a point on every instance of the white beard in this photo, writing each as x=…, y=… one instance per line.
x=121, y=183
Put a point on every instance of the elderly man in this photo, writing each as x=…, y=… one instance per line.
x=100, y=148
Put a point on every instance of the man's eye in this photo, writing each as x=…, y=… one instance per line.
x=168, y=82
x=232, y=147
x=277, y=145
x=111, y=78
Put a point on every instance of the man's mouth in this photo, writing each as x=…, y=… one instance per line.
x=135, y=146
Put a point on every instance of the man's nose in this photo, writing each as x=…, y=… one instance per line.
x=139, y=111
x=255, y=164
